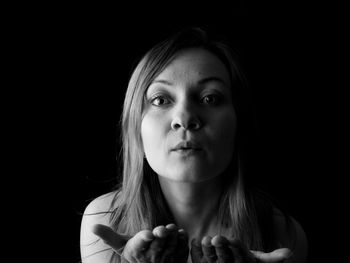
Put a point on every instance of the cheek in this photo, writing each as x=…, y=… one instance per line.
x=154, y=139
x=226, y=129
x=147, y=134
x=224, y=137
x=152, y=133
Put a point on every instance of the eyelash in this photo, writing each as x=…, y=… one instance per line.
x=158, y=98
x=217, y=99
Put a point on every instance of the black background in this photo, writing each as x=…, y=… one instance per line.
x=83, y=56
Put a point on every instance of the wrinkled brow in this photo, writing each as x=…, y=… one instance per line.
x=200, y=82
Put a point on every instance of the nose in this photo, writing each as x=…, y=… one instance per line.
x=186, y=118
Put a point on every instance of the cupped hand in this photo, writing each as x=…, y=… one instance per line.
x=222, y=250
x=161, y=245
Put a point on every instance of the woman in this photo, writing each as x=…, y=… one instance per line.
x=182, y=198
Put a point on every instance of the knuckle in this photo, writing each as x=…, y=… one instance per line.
x=146, y=234
x=138, y=254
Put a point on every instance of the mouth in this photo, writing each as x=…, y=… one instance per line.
x=187, y=150
x=186, y=146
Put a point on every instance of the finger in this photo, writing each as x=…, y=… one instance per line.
x=223, y=252
x=172, y=237
x=181, y=254
x=157, y=246
x=196, y=251
x=208, y=249
x=170, y=244
x=171, y=227
x=160, y=231
x=275, y=256
x=136, y=246
x=111, y=238
x=142, y=240
x=182, y=239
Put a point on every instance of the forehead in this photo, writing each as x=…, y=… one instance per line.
x=193, y=65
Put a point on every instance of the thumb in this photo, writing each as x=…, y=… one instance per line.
x=278, y=255
x=111, y=238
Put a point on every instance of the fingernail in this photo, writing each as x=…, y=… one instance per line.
x=219, y=241
x=171, y=227
x=182, y=232
x=206, y=241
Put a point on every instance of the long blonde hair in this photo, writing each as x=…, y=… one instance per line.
x=138, y=202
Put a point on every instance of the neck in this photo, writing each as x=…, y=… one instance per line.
x=193, y=205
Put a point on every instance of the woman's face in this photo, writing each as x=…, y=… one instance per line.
x=189, y=122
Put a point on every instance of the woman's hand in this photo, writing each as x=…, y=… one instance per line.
x=220, y=249
x=163, y=244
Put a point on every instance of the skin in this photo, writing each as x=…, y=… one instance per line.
x=162, y=244
x=189, y=101
x=169, y=244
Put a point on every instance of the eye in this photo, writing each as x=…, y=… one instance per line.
x=211, y=99
x=159, y=101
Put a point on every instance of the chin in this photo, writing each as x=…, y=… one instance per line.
x=189, y=175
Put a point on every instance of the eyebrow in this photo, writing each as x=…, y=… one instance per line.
x=211, y=79
x=200, y=82
x=162, y=81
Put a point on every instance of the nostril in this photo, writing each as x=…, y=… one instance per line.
x=176, y=126
x=193, y=126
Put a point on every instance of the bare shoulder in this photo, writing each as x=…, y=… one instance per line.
x=92, y=248
x=295, y=239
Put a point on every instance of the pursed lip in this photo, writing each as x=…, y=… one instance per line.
x=187, y=145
